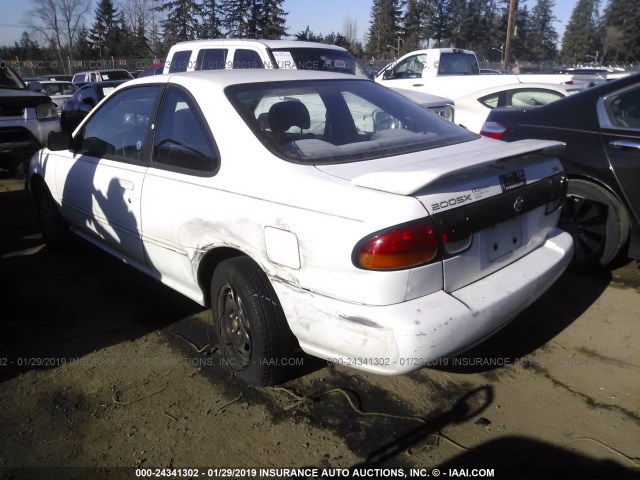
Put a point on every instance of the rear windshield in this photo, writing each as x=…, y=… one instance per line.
x=8, y=78
x=315, y=59
x=336, y=121
x=458, y=63
x=115, y=75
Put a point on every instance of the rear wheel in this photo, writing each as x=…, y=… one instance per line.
x=598, y=223
x=55, y=229
x=253, y=335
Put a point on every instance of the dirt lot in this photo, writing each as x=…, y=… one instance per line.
x=104, y=367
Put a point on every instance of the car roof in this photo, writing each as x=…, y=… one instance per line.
x=225, y=78
x=102, y=71
x=106, y=83
x=230, y=42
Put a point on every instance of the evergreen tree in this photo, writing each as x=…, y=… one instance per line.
x=580, y=41
x=102, y=32
x=234, y=13
x=459, y=20
x=520, y=44
x=181, y=21
x=139, y=41
x=272, y=20
x=83, y=49
x=415, y=24
x=622, y=30
x=440, y=22
x=543, y=37
x=211, y=25
x=385, y=26
x=307, y=35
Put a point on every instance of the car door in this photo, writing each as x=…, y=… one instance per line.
x=407, y=73
x=619, y=116
x=176, y=190
x=101, y=183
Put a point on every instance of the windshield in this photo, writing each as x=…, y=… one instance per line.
x=9, y=79
x=336, y=121
x=315, y=59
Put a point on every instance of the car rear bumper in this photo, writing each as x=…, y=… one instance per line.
x=400, y=338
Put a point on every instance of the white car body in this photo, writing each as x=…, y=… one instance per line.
x=300, y=224
x=472, y=110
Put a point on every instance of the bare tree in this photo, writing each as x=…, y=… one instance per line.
x=611, y=40
x=350, y=30
x=72, y=13
x=143, y=12
x=58, y=21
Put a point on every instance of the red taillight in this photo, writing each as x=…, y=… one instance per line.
x=400, y=247
x=494, y=130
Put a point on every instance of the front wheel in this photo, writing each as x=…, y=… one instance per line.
x=252, y=332
x=55, y=229
x=598, y=223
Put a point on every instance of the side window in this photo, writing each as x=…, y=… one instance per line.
x=212, y=59
x=411, y=67
x=121, y=128
x=623, y=110
x=533, y=98
x=180, y=61
x=182, y=139
x=491, y=101
x=247, y=59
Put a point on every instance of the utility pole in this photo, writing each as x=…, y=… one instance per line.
x=510, y=22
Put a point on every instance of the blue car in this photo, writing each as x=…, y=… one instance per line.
x=80, y=104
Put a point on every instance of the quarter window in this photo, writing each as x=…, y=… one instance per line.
x=182, y=139
x=120, y=129
x=521, y=98
x=247, y=59
x=623, y=110
x=212, y=59
x=180, y=61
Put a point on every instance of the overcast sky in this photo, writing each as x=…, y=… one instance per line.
x=322, y=16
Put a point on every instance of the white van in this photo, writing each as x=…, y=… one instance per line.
x=244, y=53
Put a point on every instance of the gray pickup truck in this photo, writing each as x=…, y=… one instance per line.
x=26, y=119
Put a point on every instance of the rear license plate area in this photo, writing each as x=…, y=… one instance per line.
x=503, y=239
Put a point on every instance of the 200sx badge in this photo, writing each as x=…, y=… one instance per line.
x=512, y=180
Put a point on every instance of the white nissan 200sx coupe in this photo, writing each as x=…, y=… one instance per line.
x=310, y=210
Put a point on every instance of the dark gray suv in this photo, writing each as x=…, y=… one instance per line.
x=26, y=119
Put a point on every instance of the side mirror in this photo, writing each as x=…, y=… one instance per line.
x=389, y=73
x=89, y=102
x=35, y=86
x=58, y=141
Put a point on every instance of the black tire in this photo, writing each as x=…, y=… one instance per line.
x=55, y=230
x=252, y=332
x=598, y=223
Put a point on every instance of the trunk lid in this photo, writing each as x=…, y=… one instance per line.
x=498, y=191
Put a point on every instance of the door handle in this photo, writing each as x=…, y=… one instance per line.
x=418, y=85
x=125, y=184
x=625, y=144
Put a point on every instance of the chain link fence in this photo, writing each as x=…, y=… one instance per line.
x=36, y=68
